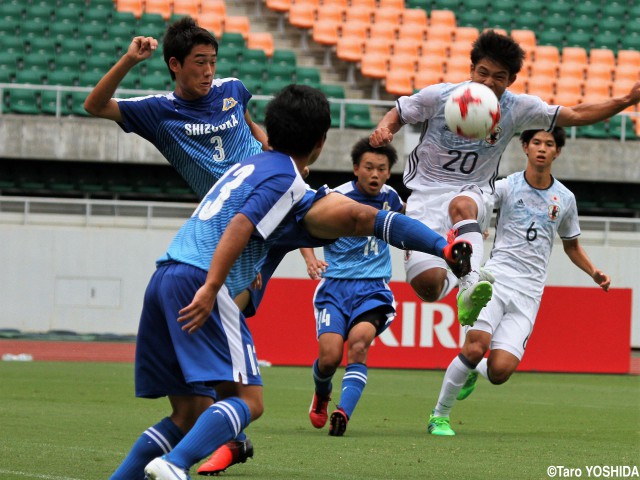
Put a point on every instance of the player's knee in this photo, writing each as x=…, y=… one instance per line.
x=256, y=408
x=427, y=291
x=328, y=362
x=358, y=350
x=498, y=376
x=462, y=208
x=473, y=352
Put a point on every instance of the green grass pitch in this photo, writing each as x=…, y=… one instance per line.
x=76, y=421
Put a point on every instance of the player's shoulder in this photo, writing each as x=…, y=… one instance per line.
x=562, y=189
x=346, y=188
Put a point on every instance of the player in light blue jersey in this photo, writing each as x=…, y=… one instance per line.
x=451, y=178
x=193, y=342
x=203, y=127
x=533, y=207
x=353, y=302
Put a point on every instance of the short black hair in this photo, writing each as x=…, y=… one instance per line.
x=362, y=146
x=180, y=38
x=296, y=119
x=559, y=135
x=498, y=48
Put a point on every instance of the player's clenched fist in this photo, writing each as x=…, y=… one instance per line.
x=141, y=48
x=380, y=136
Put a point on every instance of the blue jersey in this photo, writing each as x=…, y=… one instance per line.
x=267, y=189
x=362, y=257
x=202, y=138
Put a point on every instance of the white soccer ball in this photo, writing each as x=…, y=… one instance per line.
x=472, y=110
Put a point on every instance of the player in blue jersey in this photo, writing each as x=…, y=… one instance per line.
x=353, y=302
x=193, y=342
x=533, y=207
x=451, y=178
x=203, y=127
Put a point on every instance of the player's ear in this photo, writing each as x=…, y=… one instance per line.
x=512, y=79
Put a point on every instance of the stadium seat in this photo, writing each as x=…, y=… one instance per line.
x=325, y=32
x=262, y=41
x=151, y=24
x=31, y=76
x=432, y=63
x=156, y=81
x=89, y=78
x=392, y=3
x=552, y=36
x=358, y=14
x=608, y=40
x=629, y=57
x=541, y=68
x=397, y=82
x=626, y=72
x=349, y=48
x=281, y=72
x=442, y=17
x=330, y=12
x=587, y=7
x=336, y=112
x=14, y=44
x=471, y=17
x=332, y=90
x=358, y=116
x=302, y=15
x=387, y=14
x=338, y=3
x=519, y=86
x=34, y=28
x=252, y=71
x=541, y=86
x=42, y=46
x=284, y=57
x=602, y=56
x=557, y=22
x=622, y=126
x=446, y=4
x=214, y=6
x=578, y=38
x=238, y=24
x=598, y=130
x=547, y=53
x=574, y=54
x=407, y=46
x=416, y=16
x=500, y=19
x=134, y=6
x=213, y=22
x=527, y=21
x=281, y=6
x=572, y=71
x=424, y=78
x=630, y=42
x=255, y=56
x=363, y=3
x=568, y=92
x=355, y=29
x=186, y=7
x=308, y=76
x=435, y=48
x=525, y=38
x=382, y=32
x=62, y=77
x=563, y=7
x=377, y=46
x=598, y=73
x=535, y=7
x=271, y=87
x=233, y=40
x=412, y=32
x=466, y=34
x=457, y=69
x=23, y=102
x=596, y=91
x=460, y=49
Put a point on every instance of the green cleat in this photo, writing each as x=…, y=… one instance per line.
x=439, y=426
x=469, y=386
x=473, y=299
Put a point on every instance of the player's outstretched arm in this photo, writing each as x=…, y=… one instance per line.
x=579, y=257
x=387, y=127
x=588, y=113
x=315, y=266
x=232, y=243
x=100, y=102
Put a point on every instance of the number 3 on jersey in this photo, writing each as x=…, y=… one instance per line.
x=209, y=208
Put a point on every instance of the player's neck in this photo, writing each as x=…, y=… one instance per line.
x=540, y=179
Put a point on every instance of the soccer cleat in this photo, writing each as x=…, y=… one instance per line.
x=471, y=300
x=318, y=410
x=439, y=426
x=228, y=454
x=469, y=386
x=160, y=469
x=338, y=423
x=486, y=275
x=457, y=254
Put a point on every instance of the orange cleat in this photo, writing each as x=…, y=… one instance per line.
x=228, y=454
x=318, y=410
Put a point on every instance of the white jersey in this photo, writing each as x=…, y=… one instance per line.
x=527, y=223
x=444, y=158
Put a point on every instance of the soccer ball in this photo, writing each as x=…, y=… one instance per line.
x=472, y=110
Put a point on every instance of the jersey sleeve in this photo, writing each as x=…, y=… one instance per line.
x=244, y=94
x=139, y=115
x=570, y=226
x=531, y=112
x=500, y=192
x=420, y=106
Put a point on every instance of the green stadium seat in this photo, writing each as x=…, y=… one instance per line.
x=308, y=76
x=131, y=80
x=527, y=21
x=598, y=130
x=11, y=43
x=501, y=19
x=155, y=64
x=332, y=91
x=232, y=39
x=471, y=18
x=32, y=76
x=69, y=12
x=254, y=86
x=251, y=71
x=62, y=77
x=8, y=27
x=256, y=56
x=613, y=24
x=550, y=36
x=335, y=114
x=42, y=45
x=36, y=60
x=562, y=7
x=608, y=40
x=34, y=28
x=358, y=116
x=225, y=69
x=6, y=74
x=632, y=28
x=630, y=42
x=578, y=38
x=616, y=128
x=10, y=59
x=257, y=110
x=12, y=9
x=99, y=63
x=281, y=72
x=124, y=18
x=529, y=6
x=557, y=21
x=76, y=100
x=151, y=24
x=286, y=57
x=59, y=31
x=89, y=78
x=44, y=12
x=424, y=4
x=90, y=32
x=70, y=62
x=617, y=9
x=102, y=47
x=587, y=7
x=98, y=14
x=446, y=5
x=23, y=102
x=158, y=81
x=271, y=87
x=231, y=53
x=72, y=46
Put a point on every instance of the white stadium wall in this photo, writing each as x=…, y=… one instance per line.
x=68, y=273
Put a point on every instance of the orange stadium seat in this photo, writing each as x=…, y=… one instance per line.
x=387, y=14
x=407, y=46
x=384, y=31
x=630, y=57
x=378, y=46
x=412, y=32
x=424, y=78
x=602, y=56
x=302, y=14
x=626, y=71
x=544, y=68
x=442, y=17
x=436, y=48
x=216, y=6
x=596, y=91
x=542, y=87
x=460, y=48
x=546, y=52
x=355, y=28
x=519, y=86
x=457, y=69
x=239, y=24
x=213, y=22
x=358, y=14
x=572, y=70
x=466, y=34
x=574, y=54
x=404, y=63
x=349, y=48
x=325, y=32
x=373, y=65
x=277, y=5
x=134, y=6
x=415, y=16
x=363, y=3
x=163, y=7
x=431, y=63
x=391, y=3
x=262, y=41
x=188, y=7
x=525, y=38
x=568, y=92
x=399, y=83
x=440, y=32
x=596, y=73
x=334, y=13
x=337, y=3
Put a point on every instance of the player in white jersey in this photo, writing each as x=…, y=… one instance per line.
x=452, y=178
x=203, y=127
x=193, y=338
x=533, y=207
x=353, y=302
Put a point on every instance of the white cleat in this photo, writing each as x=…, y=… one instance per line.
x=160, y=469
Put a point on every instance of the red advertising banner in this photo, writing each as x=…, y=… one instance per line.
x=577, y=330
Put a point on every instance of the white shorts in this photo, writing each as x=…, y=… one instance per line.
x=432, y=208
x=509, y=318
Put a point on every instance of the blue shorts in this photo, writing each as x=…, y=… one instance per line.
x=170, y=361
x=338, y=302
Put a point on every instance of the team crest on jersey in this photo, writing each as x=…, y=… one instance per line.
x=228, y=104
x=553, y=212
x=493, y=137
x=386, y=206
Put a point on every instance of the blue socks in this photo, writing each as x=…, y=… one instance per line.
x=407, y=234
x=154, y=442
x=217, y=425
x=323, y=384
x=353, y=383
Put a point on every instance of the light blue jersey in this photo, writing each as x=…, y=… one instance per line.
x=527, y=223
x=267, y=189
x=362, y=257
x=202, y=138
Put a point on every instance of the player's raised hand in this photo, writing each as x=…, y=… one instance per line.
x=602, y=279
x=199, y=310
x=381, y=136
x=141, y=48
x=316, y=269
